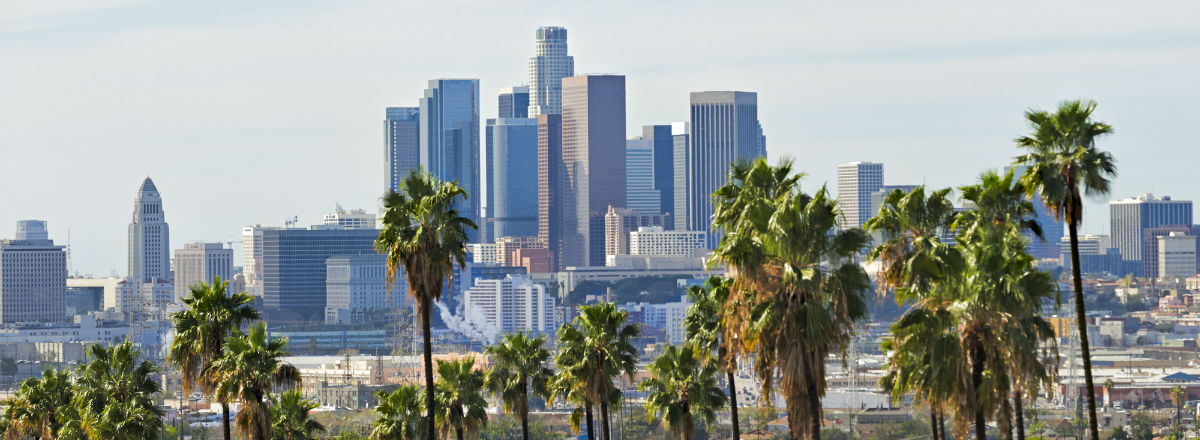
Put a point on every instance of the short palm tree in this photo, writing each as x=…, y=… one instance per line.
x=210, y=316
x=597, y=348
x=250, y=369
x=116, y=394
x=424, y=236
x=682, y=387
x=41, y=406
x=518, y=368
x=569, y=388
x=399, y=414
x=1063, y=164
x=462, y=410
x=290, y=421
x=704, y=326
x=1108, y=388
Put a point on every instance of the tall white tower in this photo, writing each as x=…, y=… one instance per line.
x=856, y=181
x=149, y=240
x=549, y=65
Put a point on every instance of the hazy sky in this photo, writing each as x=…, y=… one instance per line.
x=252, y=112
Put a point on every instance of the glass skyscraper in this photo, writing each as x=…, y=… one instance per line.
x=401, y=144
x=1131, y=217
x=512, y=190
x=549, y=65
x=450, y=138
x=593, y=157
x=724, y=129
x=513, y=102
x=294, y=264
x=659, y=173
x=640, y=194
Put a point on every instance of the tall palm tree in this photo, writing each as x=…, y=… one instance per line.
x=399, y=414
x=1063, y=164
x=1178, y=397
x=568, y=386
x=116, y=394
x=597, y=348
x=210, y=316
x=424, y=235
x=290, y=421
x=41, y=406
x=799, y=293
x=462, y=409
x=250, y=369
x=518, y=367
x=1108, y=388
x=682, y=387
x=704, y=326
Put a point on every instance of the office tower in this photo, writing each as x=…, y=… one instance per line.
x=653, y=240
x=548, y=66
x=679, y=170
x=450, y=139
x=641, y=196
x=483, y=253
x=512, y=193
x=1150, y=244
x=1052, y=228
x=252, y=258
x=33, y=276
x=593, y=156
x=550, y=187
x=1176, y=256
x=619, y=222
x=514, y=102
x=724, y=129
x=356, y=289
x=856, y=182
x=1130, y=217
x=506, y=248
x=294, y=265
x=350, y=219
x=149, y=241
x=509, y=305
x=401, y=144
x=199, y=263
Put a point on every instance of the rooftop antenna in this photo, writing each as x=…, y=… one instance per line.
x=291, y=222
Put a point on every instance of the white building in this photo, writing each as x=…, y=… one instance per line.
x=352, y=219
x=485, y=253
x=111, y=298
x=33, y=274
x=200, y=263
x=356, y=289
x=1176, y=256
x=856, y=182
x=549, y=65
x=653, y=240
x=510, y=305
x=149, y=240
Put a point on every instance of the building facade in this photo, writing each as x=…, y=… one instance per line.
x=294, y=264
x=724, y=129
x=508, y=305
x=1176, y=256
x=653, y=240
x=513, y=102
x=450, y=138
x=350, y=219
x=512, y=192
x=550, y=187
x=548, y=66
x=1130, y=217
x=356, y=290
x=33, y=277
x=149, y=237
x=401, y=144
x=856, y=183
x=1150, y=236
x=593, y=155
x=200, y=263
x=640, y=193
x=619, y=222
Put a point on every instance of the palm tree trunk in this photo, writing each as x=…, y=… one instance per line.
x=225, y=420
x=1081, y=320
x=942, y=424
x=814, y=402
x=933, y=422
x=458, y=432
x=604, y=420
x=737, y=432
x=591, y=430
x=425, y=310
x=1020, y=417
x=977, y=359
x=525, y=426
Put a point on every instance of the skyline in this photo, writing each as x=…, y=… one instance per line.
x=269, y=102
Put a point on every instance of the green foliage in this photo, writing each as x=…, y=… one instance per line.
x=399, y=414
x=593, y=350
x=8, y=367
x=519, y=366
x=290, y=420
x=505, y=427
x=249, y=369
x=461, y=408
x=681, y=390
x=1140, y=427
x=115, y=394
x=41, y=407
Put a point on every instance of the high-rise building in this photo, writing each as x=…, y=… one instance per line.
x=200, y=263
x=1176, y=256
x=509, y=305
x=294, y=264
x=1130, y=217
x=450, y=138
x=641, y=196
x=1052, y=228
x=593, y=156
x=252, y=258
x=856, y=183
x=513, y=102
x=550, y=187
x=548, y=66
x=33, y=276
x=679, y=170
x=356, y=289
x=724, y=129
x=350, y=219
x=149, y=240
x=506, y=248
x=619, y=222
x=1150, y=243
x=512, y=192
x=653, y=240
x=401, y=144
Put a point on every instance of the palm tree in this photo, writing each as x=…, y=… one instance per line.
x=209, y=317
x=399, y=414
x=799, y=291
x=41, y=406
x=1062, y=160
x=1108, y=388
x=597, y=348
x=568, y=386
x=116, y=394
x=680, y=388
x=424, y=235
x=461, y=406
x=1178, y=397
x=704, y=326
x=290, y=421
x=251, y=367
x=518, y=367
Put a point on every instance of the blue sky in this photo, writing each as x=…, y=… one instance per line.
x=252, y=112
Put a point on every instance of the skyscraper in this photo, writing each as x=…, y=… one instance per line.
x=33, y=276
x=149, y=240
x=513, y=102
x=450, y=138
x=512, y=192
x=679, y=171
x=724, y=129
x=294, y=262
x=856, y=182
x=1052, y=228
x=550, y=187
x=548, y=66
x=619, y=222
x=401, y=144
x=660, y=173
x=641, y=196
x=1130, y=217
x=593, y=155
x=200, y=263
